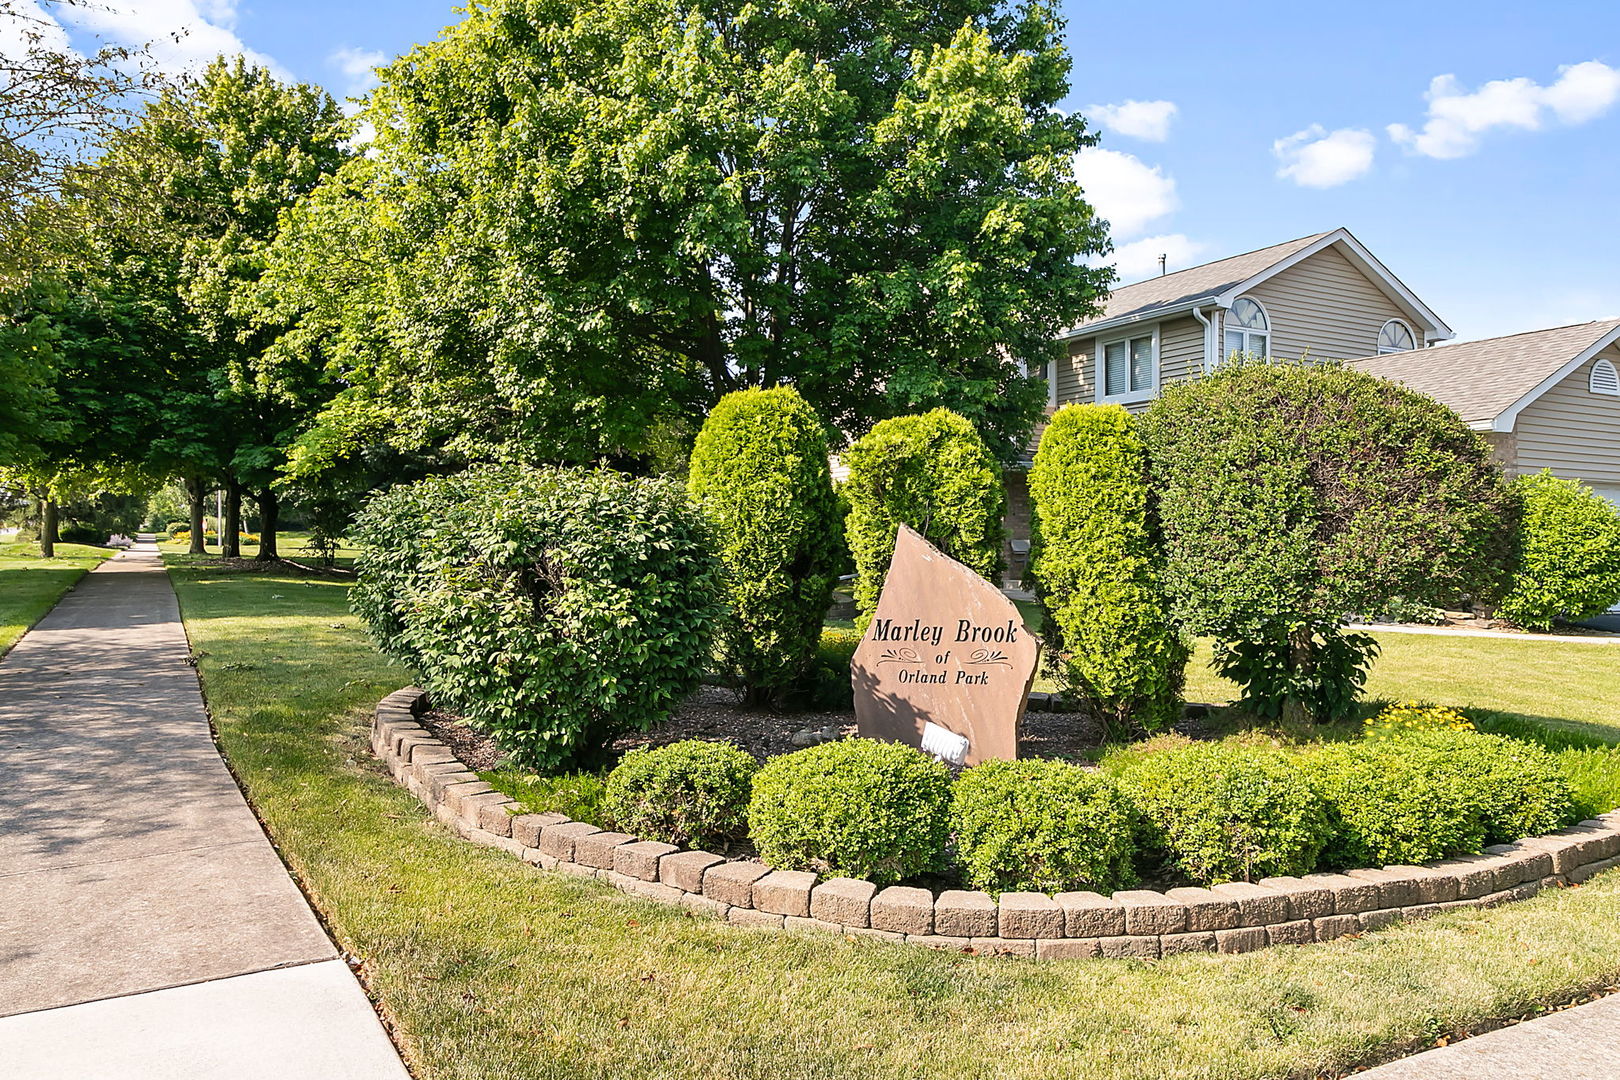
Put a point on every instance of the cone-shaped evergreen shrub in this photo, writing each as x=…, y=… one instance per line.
x=759, y=472
x=1098, y=571
x=934, y=473
x=1567, y=565
x=555, y=608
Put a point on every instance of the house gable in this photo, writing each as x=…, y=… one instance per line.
x=1571, y=430
x=1326, y=308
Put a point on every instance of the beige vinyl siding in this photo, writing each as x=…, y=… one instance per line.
x=1325, y=306
x=1573, y=431
x=1074, y=372
x=1181, y=350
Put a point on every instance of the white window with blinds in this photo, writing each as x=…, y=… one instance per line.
x=1128, y=368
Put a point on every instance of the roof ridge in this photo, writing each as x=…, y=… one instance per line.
x=1224, y=258
x=1520, y=333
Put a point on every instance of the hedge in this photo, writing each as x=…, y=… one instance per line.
x=1567, y=555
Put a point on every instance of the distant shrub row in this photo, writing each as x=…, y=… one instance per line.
x=1173, y=810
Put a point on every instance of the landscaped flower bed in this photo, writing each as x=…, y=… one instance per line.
x=1235, y=916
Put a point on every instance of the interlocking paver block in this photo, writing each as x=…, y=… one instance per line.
x=994, y=946
x=749, y=917
x=596, y=849
x=1129, y=945
x=1329, y=927
x=845, y=901
x=640, y=859
x=495, y=819
x=1377, y=920
x=1067, y=948
x=471, y=806
x=1175, y=944
x=961, y=913
x=1395, y=890
x=1151, y=913
x=733, y=883
x=1241, y=939
x=1293, y=932
x=1350, y=895
x=1091, y=915
x=1257, y=905
x=1030, y=915
x=1206, y=909
x=785, y=892
x=903, y=910
x=1429, y=886
x=685, y=869
x=1305, y=899
x=558, y=840
x=526, y=827
x=1475, y=874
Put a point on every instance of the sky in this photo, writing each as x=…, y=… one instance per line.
x=1474, y=147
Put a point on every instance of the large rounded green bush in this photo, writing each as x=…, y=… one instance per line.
x=934, y=473
x=554, y=608
x=1098, y=570
x=858, y=807
x=759, y=471
x=1517, y=789
x=692, y=793
x=1567, y=559
x=1044, y=826
x=1392, y=801
x=1291, y=495
x=1226, y=811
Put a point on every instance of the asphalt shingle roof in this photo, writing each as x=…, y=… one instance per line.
x=1482, y=379
x=1160, y=293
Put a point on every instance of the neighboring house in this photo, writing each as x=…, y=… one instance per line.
x=1546, y=399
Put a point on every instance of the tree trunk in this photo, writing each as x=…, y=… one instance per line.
x=1301, y=653
x=47, y=527
x=195, y=493
x=269, y=517
x=230, y=530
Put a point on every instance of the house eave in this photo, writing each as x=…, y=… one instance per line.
x=1184, y=307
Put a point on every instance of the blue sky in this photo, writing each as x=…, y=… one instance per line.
x=1498, y=202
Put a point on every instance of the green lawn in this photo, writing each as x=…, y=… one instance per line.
x=30, y=586
x=290, y=544
x=1572, y=685
x=488, y=968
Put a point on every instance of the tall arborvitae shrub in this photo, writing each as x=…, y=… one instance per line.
x=1098, y=571
x=1567, y=559
x=934, y=473
x=759, y=472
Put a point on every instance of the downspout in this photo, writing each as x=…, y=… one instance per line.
x=1209, y=337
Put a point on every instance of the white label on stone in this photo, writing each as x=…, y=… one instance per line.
x=944, y=743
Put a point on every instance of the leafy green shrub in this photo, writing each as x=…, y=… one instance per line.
x=81, y=534
x=759, y=471
x=1098, y=570
x=692, y=793
x=931, y=472
x=1567, y=557
x=1042, y=825
x=577, y=795
x=176, y=527
x=1392, y=801
x=1290, y=495
x=1517, y=789
x=554, y=608
x=867, y=809
x=1226, y=811
x=828, y=685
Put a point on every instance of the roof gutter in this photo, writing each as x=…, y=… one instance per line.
x=1092, y=329
x=1209, y=339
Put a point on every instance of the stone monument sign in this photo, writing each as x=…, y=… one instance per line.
x=946, y=664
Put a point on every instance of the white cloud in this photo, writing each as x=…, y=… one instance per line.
x=1457, y=118
x=1149, y=120
x=179, y=35
x=1140, y=258
x=1319, y=158
x=25, y=25
x=358, y=68
x=1131, y=195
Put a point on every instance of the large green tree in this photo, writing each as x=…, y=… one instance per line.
x=583, y=220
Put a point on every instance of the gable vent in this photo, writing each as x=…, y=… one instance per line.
x=1604, y=379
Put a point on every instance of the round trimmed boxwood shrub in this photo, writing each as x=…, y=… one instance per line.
x=934, y=473
x=1226, y=811
x=1517, y=789
x=858, y=807
x=1392, y=801
x=1567, y=562
x=1098, y=571
x=692, y=793
x=759, y=471
x=1042, y=826
x=554, y=608
x=1290, y=495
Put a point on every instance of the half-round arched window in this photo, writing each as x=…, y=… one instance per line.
x=1396, y=336
x=1604, y=379
x=1248, y=330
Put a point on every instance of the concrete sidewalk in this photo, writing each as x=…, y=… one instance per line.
x=131, y=865
x=1582, y=1043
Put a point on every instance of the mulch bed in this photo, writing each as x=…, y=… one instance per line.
x=716, y=714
